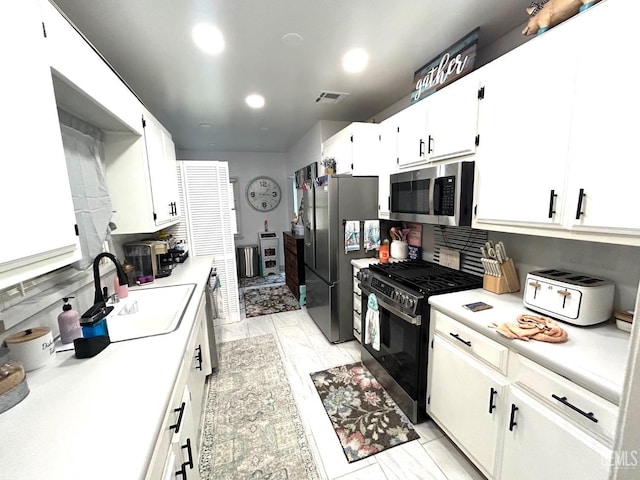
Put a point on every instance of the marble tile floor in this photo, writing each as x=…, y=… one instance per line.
x=305, y=350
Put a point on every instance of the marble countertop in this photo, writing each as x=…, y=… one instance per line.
x=99, y=417
x=593, y=357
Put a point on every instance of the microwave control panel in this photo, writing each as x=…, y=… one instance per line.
x=444, y=196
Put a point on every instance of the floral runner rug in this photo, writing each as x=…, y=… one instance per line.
x=268, y=300
x=252, y=428
x=364, y=416
x=270, y=279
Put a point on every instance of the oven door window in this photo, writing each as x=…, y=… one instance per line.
x=399, y=350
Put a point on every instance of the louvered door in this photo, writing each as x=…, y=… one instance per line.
x=207, y=207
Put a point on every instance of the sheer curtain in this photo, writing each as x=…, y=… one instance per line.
x=84, y=151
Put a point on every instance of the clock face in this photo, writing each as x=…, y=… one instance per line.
x=263, y=194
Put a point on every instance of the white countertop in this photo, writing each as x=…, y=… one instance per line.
x=99, y=417
x=363, y=262
x=594, y=357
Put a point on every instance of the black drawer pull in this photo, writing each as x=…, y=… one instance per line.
x=492, y=394
x=177, y=425
x=457, y=337
x=564, y=401
x=512, y=419
x=198, y=357
x=552, y=197
x=581, y=196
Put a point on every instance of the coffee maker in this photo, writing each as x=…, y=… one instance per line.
x=148, y=259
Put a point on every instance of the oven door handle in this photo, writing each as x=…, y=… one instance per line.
x=414, y=320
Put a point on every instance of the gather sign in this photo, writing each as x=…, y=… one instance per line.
x=455, y=62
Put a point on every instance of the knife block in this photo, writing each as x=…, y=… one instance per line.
x=507, y=283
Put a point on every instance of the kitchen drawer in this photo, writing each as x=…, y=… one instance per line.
x=356, y=287
x=357, y=303
x=578, y=404
x=471, y=341
x=357, y=321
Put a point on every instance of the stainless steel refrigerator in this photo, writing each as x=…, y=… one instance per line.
x=328, y=273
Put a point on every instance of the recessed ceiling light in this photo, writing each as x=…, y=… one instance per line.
x=264, y=129
x=208, y=38
x=213, y=144
x=255, y=101
x=206, y=125
x=355, y=60
x=292, y=39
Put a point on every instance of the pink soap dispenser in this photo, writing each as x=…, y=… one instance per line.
x=69, y=323
x=122, y=291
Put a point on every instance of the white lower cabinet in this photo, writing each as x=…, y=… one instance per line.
x=177, y=448
x=468, y=400
x=531, y=424
x=540, y=444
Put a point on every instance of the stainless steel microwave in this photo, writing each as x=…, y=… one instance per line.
x=440, y=195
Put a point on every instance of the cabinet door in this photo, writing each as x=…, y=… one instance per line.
x=340, y=148
x=603, y=158
x=77, y=62
x=524, y=122
x=199, y=367
x=38, y=218
x=539, y=444
x=467, y=399
x=162, y=171
x=452, y=119
x=366, y=155
x=388, y=162
x=412, y=134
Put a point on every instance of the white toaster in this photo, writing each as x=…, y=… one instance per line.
x=572, y=297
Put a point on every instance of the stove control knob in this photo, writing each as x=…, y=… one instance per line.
x=410, y=302
x=394, y=295
x=403, y=299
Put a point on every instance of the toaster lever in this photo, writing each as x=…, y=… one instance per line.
x=535, y=286
x=565, y=294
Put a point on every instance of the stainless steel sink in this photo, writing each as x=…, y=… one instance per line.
x=149, y=311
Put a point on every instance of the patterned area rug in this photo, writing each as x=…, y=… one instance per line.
x=364, y=416
x=252, y=428
x=268, y=280
x=268, y=300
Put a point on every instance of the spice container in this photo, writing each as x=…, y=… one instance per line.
x=13, y=382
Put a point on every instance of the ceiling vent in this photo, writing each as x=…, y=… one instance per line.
x=331, y=97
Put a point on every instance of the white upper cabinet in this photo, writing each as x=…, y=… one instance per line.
x=355, y=149
x=452, y=119
x=388, y=162
x=77, y=64
x=39, y=220
x=412, y=134
x=524, y=125
x=555, y=155
x=142, y=178
x=603, y=176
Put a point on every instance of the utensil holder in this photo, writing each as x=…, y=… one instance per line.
x=507, y=283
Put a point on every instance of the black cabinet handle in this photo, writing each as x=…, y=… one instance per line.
x=189, y=463
x=512, y=419
x=581, y=196
x=492, y=394
x=420, y=149
x=457, y=337
x=198, y=357
x=429, y=149
x=564, y=401
x=177, y=425
x=552, y=197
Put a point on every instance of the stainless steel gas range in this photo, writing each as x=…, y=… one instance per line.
x=402, y=290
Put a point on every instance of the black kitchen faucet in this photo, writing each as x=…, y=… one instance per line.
x=122, y=277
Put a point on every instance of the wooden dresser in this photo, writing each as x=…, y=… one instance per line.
x=294, y=261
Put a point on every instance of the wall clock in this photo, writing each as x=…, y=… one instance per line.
x=263, y=194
